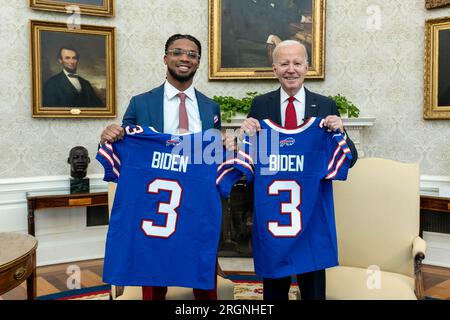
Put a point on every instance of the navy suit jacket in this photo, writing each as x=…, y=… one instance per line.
x=147, y=108
x=267, y=106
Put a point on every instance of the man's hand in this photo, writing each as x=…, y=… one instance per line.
x=333, y=123
x=229, y=140
x=250, y=126
x=112, y=133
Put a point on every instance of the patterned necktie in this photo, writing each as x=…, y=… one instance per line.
x=290, y=121
x=183, y=124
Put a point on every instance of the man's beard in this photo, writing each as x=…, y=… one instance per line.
x=183, y=78
x=70, y=70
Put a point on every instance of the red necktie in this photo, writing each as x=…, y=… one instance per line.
x=290, y=121
x=183, y=124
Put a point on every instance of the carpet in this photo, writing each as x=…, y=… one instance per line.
x=91, y=293
x=249, y=287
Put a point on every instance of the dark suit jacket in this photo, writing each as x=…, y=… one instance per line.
x=59, y=92
x=147, y=108
x=267, y=106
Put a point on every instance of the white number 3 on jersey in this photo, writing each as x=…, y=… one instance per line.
x=169, y=208
x=291, y=208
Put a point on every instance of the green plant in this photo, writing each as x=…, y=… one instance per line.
x=345, y=106
x=229, y=106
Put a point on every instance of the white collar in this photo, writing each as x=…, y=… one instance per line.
x=170, y=91
x=300, y=96
x=67, y=73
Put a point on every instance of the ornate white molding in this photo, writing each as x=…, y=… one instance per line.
x=437, y=186
x=355, y=129
x=13, y=191
x=358, y=122
x=235, y=122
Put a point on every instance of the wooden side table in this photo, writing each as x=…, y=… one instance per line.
x=17, y=262
x=38, y=201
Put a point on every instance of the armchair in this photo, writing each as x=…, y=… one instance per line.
x=377, y=220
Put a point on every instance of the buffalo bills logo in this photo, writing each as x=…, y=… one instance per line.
x=173, y=142
x=287, y=142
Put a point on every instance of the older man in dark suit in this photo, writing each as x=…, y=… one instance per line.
x=67, y=88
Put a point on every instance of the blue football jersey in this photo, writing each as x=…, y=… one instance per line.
x=165, y=223
x=293, y=227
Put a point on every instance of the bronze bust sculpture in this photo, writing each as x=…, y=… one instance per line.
x=79, y=161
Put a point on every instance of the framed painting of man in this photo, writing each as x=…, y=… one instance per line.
x=437, y=69
x=431, y=4
x=87, y=7
x=243, y=34
x=72, y=70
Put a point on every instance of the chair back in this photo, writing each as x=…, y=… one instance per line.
x=377, y=215
x=111, y=193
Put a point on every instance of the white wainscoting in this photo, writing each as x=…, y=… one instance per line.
x=438, y=249
x=64, y=237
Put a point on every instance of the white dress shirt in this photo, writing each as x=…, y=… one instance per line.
x=73, y=80
x=172, y=106
x=299, y=105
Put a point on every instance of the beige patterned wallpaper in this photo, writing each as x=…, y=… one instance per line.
x=374, y=55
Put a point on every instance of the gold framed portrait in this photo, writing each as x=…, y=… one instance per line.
x=437, y=69
x=87, y=7
x=72, y=70
x=243, y=34
x=431, y=4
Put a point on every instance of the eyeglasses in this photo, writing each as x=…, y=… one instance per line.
x=296, y=65
x=179, y=52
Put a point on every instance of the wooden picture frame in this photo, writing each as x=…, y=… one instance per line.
x=437, y=69
x=242, y=35
x=72, y=70
x=431, y=4
x=86, y=7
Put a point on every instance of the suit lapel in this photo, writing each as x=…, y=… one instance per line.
x=275, y=107
x=311, y=105
x=205, y=111
x=156, y=107
x=68, y=85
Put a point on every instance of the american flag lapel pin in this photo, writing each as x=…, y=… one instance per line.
x=216, y=119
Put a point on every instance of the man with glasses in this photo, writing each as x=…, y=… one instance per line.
x=159, y=107
x=174, y=107
x=288, y=107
